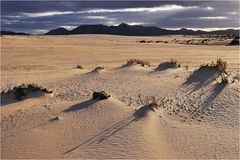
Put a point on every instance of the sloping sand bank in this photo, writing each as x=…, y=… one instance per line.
x=197, y=117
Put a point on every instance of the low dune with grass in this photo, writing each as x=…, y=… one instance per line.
x=122, y=100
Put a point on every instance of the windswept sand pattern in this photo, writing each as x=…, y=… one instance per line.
x=197, y=117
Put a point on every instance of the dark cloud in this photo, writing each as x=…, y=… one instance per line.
x=39, y=16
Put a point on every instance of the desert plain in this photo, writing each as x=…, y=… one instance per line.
x=197, y=116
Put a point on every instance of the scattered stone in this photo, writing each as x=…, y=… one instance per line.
x=235, y=41
x=55, y=119
x=100, y=95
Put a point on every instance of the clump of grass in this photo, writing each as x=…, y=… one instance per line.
x=150, y=41
x=219, y=65
x=152, y=102
x=23, y=90
x=175, y=63
x=143, y=63
x=99, y=68
x=79, y=67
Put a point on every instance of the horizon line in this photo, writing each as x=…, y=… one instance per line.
x=69, y=28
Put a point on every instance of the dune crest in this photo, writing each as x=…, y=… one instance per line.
x=152, y=111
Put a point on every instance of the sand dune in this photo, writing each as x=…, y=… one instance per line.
x=197, y=117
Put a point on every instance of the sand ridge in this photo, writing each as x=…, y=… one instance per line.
x=194, y=114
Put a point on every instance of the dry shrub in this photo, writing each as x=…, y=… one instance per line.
x=79, y=67
x=151, y=101
x=220, y=65
x=99, y=68
x=24, y=89
x=175, y=63
x=138, y=61
x=142, y=41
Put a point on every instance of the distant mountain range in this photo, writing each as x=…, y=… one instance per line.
x=136, y=30
x=128, y=30
x=13, y=33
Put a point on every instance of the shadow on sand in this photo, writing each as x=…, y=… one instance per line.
x=5, y=100
x=10, y=98
x=164, y=66
x=216, y=91
x=201, y=78
x=137, y=115
x=80, y=106
x=125, y=65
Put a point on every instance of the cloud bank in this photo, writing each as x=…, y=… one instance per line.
x=38, y=17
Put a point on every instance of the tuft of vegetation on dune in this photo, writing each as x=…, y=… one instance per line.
x=175, y=63
x=143, y=63
x=220, y=65
x=79, y=67
x=98, y=69
x=20, y=92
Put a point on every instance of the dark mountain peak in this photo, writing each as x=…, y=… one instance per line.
x=91, y=29
x=58, y=31
x=230, y=29
x=184, y=29
x=13, y=33
x=61, y=29
x=90, y=25
x=123, y=25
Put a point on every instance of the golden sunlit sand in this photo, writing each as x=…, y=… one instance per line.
x=197, y=116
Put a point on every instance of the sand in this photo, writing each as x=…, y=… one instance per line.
x=197, y=117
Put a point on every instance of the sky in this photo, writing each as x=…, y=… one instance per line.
x=41, y=16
